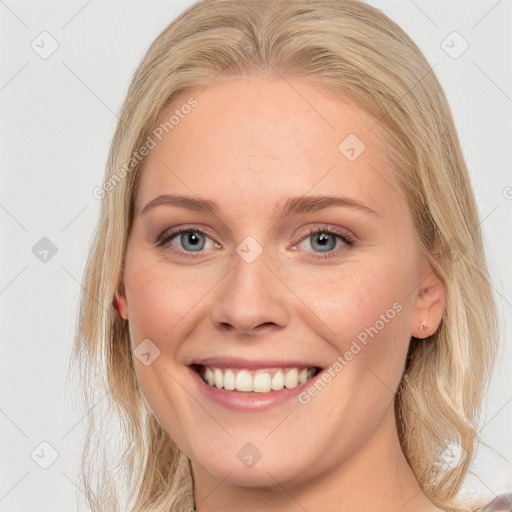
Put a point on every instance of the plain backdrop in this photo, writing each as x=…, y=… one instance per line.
x=58, y=113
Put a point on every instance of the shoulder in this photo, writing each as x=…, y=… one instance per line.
x=501, y=503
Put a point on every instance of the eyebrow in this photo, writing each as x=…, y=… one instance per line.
x=293, y=205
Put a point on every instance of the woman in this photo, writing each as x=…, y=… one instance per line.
x=287, y=303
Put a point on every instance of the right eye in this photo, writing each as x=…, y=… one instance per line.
x=186, y=240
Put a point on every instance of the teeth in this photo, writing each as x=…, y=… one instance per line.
x=291, y=379
x=218, y=378
x=259, y=381
x=262, y=383
x=229, y=380
x=277, y=381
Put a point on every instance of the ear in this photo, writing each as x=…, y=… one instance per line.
x=429, y=304
x=120, y=302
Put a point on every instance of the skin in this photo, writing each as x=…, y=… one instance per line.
x=249, y=145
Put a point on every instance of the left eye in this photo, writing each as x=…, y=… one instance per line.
x=325, y=240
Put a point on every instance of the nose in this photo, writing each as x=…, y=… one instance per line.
x=251, y=300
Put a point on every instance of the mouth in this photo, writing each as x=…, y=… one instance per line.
x=255, y=380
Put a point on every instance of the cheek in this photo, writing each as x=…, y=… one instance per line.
x=160, y=295
x=366, y=311
x=349, y=297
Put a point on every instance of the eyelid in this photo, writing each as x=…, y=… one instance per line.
x=185, y=228
x=325, y=228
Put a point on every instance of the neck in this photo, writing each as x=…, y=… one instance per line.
x=376, y=477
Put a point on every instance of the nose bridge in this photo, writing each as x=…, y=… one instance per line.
x=251, y=295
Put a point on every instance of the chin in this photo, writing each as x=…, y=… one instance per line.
x=244, y=466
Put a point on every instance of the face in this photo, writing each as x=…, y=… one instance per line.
x=303, y=258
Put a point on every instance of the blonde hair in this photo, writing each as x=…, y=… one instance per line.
x=354, y=50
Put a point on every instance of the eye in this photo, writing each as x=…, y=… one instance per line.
x=186, y=240
x=326, y=240
x=191, y=242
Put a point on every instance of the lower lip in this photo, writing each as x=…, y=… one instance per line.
x=248, y=401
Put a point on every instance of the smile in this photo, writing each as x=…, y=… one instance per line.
x=263, y=380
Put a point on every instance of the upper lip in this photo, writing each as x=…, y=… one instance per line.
x=253, y=364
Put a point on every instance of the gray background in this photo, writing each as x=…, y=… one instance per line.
x=57, y=118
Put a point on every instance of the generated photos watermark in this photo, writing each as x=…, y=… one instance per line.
x=356, y=346
x=150, y=143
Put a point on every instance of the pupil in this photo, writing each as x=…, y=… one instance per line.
x=323, y=241
x=191, y=238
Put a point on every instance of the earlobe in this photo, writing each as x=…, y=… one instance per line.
x=119, y=302
x=429, y=305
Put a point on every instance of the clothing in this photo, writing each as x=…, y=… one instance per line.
x=501, y=503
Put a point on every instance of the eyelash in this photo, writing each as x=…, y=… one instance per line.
x=166, y=237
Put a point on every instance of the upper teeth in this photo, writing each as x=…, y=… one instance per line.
x=259, y=381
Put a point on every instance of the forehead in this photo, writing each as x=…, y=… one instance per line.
x=247, y=143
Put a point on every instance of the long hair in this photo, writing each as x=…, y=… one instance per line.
x=129, y=461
